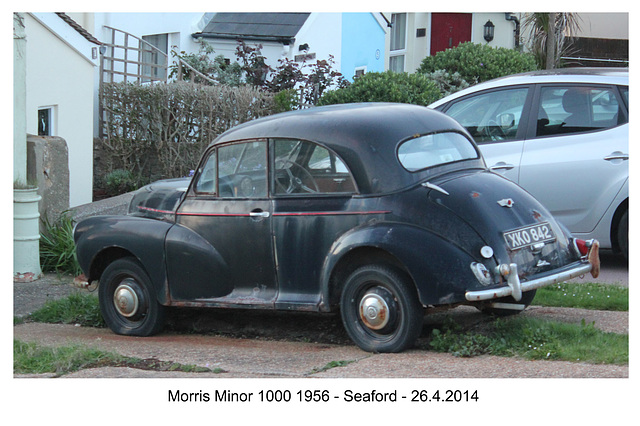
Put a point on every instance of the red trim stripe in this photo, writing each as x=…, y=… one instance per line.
x=334, y=213
x=213, y=214
x=330, y=213
x=286, y=214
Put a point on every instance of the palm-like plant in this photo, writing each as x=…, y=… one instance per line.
x=551, y=30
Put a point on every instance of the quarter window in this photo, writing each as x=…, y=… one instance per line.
x=491, y=116
x=577, y=109
x=206, y=182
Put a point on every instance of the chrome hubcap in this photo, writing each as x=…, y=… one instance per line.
x=374, y=311
x=126, y=299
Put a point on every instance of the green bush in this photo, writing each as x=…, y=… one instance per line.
x=479, y=62
x=447, y=82
x=57, y=248
x=120, y=181
x=385, y=87
x=285, y=100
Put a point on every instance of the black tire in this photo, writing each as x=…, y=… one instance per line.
x=623, y=234
x=127, y=301
x=395, y=313
x=527, y=298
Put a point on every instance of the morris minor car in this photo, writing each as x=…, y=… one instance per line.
x=379, y=211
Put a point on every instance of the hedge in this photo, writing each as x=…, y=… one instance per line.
x=385, y=86
x=160, y=130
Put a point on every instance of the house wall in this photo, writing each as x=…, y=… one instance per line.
x=60, y=75
x=604, y=25
x=363, y=41
x=322, y=32
x=420, y=47
x=504, y=30
x=179, y=26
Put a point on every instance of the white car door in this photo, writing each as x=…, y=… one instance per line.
x=493, y=119
x=577, y=163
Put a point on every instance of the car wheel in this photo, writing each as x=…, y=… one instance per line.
x=527, y=298
x=127, y=300
x=380, y=309
x=623, y=234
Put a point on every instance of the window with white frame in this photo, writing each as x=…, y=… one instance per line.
x=398, y=42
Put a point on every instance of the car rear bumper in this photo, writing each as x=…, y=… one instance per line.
x=515, y=287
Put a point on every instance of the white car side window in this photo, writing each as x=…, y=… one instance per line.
x=576, y=109
x=491, y=116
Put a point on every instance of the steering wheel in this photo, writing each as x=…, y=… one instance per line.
x=494, y=131
x=295, y=183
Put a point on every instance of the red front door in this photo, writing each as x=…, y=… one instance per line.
x=449, y=30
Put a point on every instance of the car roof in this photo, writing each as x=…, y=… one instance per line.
x=365, y=136
x=618, y=76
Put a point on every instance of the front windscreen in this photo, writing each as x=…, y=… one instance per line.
x=435, y=149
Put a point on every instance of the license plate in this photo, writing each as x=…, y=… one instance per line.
x=529, y=236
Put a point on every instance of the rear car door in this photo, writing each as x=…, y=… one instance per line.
x=313, y=206
x=575, y=157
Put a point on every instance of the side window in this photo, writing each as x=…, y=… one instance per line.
x=577, y=109
x=207, y=175
x=303, y=167
x=491, y=116
x=242, y=170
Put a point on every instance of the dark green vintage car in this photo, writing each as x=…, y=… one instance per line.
x=381, y=211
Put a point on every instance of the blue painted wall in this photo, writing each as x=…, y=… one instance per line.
x=362, y=44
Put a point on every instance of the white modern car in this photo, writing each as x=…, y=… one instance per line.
x=563, y=135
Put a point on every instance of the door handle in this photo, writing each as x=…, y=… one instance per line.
x=501, y=166
x=260, y=213
x=617, y=156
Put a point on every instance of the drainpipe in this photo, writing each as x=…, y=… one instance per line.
x=510, y=17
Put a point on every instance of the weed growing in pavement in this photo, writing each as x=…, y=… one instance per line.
x=330, y=365
x=77, y=308
x=30, y=358
x=534, y=339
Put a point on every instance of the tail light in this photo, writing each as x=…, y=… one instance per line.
x=582, y=246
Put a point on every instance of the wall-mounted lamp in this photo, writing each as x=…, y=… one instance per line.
x=489, y=31
x=303, y=47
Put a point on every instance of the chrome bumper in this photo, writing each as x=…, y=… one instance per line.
x=515, y=288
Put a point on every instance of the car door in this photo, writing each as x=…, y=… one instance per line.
x=229, y=209
x=495, y=119
x=313, y=206
x=575, y=160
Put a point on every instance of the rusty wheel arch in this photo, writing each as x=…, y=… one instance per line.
x=355, y=259
x=106, y=257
